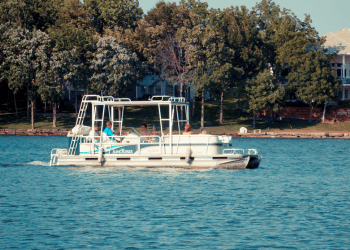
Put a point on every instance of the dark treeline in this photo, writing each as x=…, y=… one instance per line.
x=109, y=45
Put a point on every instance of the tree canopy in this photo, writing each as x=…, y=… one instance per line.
x=104, y=45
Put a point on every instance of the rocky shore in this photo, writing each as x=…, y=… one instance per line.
x=293, y=135
x=296, y=135
x=47, y=132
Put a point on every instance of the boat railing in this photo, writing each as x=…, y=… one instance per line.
x=90, y=98
x=122, y=100
x=168, y=98
x=161, y=98
x=252, y=151
x=192, y=140
x=107, y=98
x=57, y=152
x=94, y=98
x=233, y=151
x=120, y=142
x=177, y=99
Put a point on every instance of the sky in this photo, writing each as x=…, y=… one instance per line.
x=326, y=15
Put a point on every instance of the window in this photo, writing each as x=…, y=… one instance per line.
x=333, y=64
x=340, y=94
x=346, y=94
x=339, y=64
x=338, y=72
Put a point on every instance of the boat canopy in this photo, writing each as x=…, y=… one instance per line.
x=174, y=105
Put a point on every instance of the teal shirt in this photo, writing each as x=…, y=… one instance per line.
x=109, y=133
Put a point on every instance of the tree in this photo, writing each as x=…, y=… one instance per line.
x=171, y=56
x=313, y=79
x=108, y=14
x=115, y=70
x=73, y=30
x=286, y=38
x=26, y=56
x=225, y=52
x=295, y=45
x=29, y=14
x=159, y=39
x=208, y=65
x=51, y=81
x=263, y=92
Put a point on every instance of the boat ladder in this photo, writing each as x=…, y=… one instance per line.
x=80, y=119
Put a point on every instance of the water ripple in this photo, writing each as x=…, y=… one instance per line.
x=297, y=198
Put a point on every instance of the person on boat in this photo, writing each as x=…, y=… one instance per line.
x=188, y=129
x=144, y=131
x=95, y=133
x=109, y=131
x=203, y=131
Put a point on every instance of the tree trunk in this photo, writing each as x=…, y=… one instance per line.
x=311, y=109
x=8, y=98
x=14, y=97
x=272, y=115
x=76, y=103
x=32, y=115
x=193, y=104
x=202, y=111
x=54, y=115
x=222, y=108
x=35, y=113
x=28, y=105
x=45, y=107
x=254, y=120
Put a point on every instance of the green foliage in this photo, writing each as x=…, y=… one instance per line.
x=286, y=38
x=161, y=38
x=313, y=79
x=344, y=104
x=51, y=81
x=45, y=44
x=108, y=14
x=26, y=56
x=73, y=28
x=29, y=14
x=264, y=93
x=115, y=70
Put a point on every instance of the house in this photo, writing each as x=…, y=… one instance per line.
x=339, y=42
x=154, y=85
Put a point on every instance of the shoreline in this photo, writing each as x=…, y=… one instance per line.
x=297, y=135
x=287, y=135
x=44, y=132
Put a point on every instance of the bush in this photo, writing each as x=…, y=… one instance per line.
x=344, y=104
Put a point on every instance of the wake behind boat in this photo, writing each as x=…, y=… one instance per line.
x=135, y=150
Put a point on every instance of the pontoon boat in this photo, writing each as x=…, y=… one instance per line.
x=168, y=149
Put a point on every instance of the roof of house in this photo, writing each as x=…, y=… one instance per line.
x=339, y=40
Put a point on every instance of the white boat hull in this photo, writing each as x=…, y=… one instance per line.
x=156, y=161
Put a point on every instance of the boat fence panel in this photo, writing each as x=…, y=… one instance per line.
x=161, y=98
x=233, y=151
x=177, y=99
x=122, y=100
x=252, y=151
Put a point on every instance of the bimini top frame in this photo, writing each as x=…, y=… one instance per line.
x=173, y=103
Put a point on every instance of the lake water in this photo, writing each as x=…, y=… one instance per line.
x=298, y=198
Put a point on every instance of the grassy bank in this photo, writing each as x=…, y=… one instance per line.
x=234, y=119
